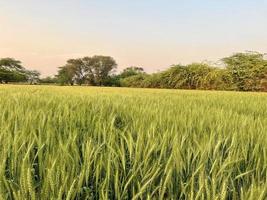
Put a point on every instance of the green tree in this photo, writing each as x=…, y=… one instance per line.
x=100, y=68
x=48, y=80
x=78, y=68
x=66, y=75
x=11, y=70
x=94, y=70
x=196, y=73
x=11, y=64
x=248, y=70
x=134, y=81
x=131, y=71
x=33, y=76
x=218, y=79
x=174, y=77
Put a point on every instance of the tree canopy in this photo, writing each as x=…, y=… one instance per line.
x=248, y=70
x=11, y=70
x=94, y=70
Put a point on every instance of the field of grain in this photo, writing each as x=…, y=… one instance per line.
x=117, y=143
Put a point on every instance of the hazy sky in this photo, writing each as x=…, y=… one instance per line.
x=152, y=34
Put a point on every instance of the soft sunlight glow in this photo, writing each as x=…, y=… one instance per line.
x=44, y=34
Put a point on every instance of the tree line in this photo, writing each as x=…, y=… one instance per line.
x=241, y=72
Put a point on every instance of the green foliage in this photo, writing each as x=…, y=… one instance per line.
x=94, y=70
x=100, y=69
x=134, y=81
x=11, y=70
x=66, y=75
x=11, y=76
x=242, y=71
x=175, y=77
x=33, y=76
x=113, y=80
x=152, y=81
x=131, y=71
x=248, y=70
x=48, y=80
x=11, y=64
x=193, y=76
x=218, y=79
x=105, y=143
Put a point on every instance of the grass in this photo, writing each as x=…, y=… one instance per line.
x=117, y=143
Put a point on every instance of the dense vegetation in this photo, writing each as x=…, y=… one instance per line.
x=11, y=70
x=117, y=143
x=91, y=70
x=240, y=72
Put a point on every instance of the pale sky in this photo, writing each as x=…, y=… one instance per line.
x=152, y=34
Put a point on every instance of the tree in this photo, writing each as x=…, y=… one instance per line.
x=66, y=75
x=113, y=80
x=79, y=70
x=248, y=70
x=196, y=72
x=33, y=76
x=11, y=70
x=75, y=71
x=185, y=77
x=49, y=80
x=134, y=81
x=218, y=79
x=100, y=68
x=131, y=71
x=11, y=64
x=94, y=70
x=174, y=77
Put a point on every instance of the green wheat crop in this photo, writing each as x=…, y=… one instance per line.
x=117, y=143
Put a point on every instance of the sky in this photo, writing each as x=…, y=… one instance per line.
x=152, y=34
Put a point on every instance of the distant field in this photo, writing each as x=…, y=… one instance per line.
x=117, y=143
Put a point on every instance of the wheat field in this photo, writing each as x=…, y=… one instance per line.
x=117, y=143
